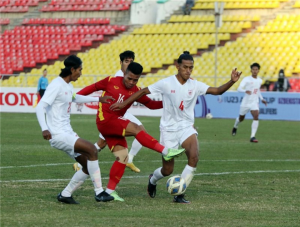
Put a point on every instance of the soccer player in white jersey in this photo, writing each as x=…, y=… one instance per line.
x=179, y=95
x=56, y=128
x=250, y=85
x=125, y=59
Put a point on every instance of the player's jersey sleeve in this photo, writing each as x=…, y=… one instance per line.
x=201, y=88
x=158, y=87
x=51, y=93
x=100, y=85
x=242, y=85
x=153, y=105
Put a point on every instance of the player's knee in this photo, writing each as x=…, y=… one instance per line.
x=93, y=152
x=139, y=128
x=121, y=155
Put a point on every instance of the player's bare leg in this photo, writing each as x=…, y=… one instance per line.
x=148, y=141
x=135, y=148
x=238, y=120
x=192, y=151
x=100, y=144
x=117, y=170
x=254, y=126
x=90, y=164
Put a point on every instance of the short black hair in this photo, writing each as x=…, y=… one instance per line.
x=135, y=68
x=127, y=54
x=255, y=65
x=70, y=62
x=185, y=56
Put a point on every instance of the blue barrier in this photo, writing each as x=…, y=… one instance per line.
x=281, y=106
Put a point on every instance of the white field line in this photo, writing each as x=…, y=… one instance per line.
x=146, y=176
x=110, y=162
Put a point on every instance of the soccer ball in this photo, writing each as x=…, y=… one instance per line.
x=176, y=185
x=209, y=116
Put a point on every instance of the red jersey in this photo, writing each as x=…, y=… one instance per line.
x=113, y=86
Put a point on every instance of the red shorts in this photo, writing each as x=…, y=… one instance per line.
x=113, y=131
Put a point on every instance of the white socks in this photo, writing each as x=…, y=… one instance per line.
x=79, y=165
x=95, y=174
x=236, y=123
x=165, y=151
x=254, y=128
x=78, y=178
x=135, y=148
x=98, y=148
x=188, y=174
x=109, y=191
x=156, y=176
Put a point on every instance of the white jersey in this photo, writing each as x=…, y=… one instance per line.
x=119, y=73
x=250, y=84
x=58, y=96
x=179, y=101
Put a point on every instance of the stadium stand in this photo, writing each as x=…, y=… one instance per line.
x=4, y=21
x=68, y=26
x=211, y=18
x=66, y=21
x=274, y=46
x=239, y=4
x=297, y=4
x=86, y=5
x=25, y=46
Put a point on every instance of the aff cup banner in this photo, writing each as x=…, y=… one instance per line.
x=23, y=100
x=281, y=105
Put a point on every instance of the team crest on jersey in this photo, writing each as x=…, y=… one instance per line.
x=172, y=91
x=116, y=87
x=190, y=92
x=130, y=92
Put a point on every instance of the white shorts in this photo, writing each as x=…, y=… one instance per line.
x=245, y=109
x=128, y=116
x=66, y=143
x=174, y=139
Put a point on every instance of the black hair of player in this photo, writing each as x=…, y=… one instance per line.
x=255, y=65
x=135, y=68
x=185, y=56
x=70, y=62
x=127, y=54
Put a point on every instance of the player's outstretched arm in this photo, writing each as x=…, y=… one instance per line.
x=84, y=99
x=106, y=99
x=149, y=103
x=118, y=106
x=235, y=76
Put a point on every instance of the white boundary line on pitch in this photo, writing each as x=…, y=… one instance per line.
x=110, y=162
x=197, y=174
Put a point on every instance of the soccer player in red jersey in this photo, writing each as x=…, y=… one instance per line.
x=114, y=127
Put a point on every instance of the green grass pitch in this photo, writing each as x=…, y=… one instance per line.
x=237, y=183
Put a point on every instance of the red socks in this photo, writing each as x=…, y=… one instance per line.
x=148, y=141
x=115, y=175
